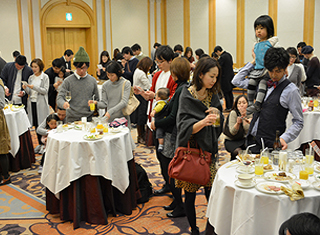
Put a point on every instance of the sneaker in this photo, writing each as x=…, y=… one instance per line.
x=37, y=149
x=160, y=148
x=40, y=169
x=5, y=181
x=42, y=149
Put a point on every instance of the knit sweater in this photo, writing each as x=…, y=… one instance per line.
x=82, y=90
x=112, y=98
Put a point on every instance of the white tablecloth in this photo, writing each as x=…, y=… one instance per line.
x=101, y=111
x=18, y=123
x=233, y=210
x=310, y=131
x=69, y=156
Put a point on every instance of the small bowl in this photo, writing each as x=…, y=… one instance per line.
x=245, y=179
x=317, y=177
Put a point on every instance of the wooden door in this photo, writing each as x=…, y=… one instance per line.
x=60, y=39
x=55, y=45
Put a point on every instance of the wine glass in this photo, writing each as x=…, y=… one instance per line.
x=68, y=96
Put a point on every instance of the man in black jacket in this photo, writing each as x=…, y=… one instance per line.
x=226, y=63
x=12, y=75
x=66, y=60
x=130, y=65
x=52, y=73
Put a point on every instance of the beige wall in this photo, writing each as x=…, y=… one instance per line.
x=129, y=20
x=9, y=36
x=130, y=24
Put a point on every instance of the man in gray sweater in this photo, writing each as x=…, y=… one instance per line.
x=82, y=87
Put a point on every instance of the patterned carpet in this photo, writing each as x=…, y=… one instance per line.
x=22, y=207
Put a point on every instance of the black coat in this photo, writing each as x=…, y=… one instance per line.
x=2, y=64
x=52, y=94
x=227, y=74
x=9, y=75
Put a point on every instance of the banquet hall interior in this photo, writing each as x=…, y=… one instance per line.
x=46, y=28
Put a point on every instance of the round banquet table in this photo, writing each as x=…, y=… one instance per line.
x=22, y=152
x=233, y=210
x=310, y=130
x=88, y=179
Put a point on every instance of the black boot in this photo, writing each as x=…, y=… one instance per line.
x=195, y=231
x=141, y=134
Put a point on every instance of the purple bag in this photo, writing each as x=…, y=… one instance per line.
x=119, y=122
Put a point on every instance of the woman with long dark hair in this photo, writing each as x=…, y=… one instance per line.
x=101, y=71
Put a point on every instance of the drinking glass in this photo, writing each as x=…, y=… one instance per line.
x=303, y=173
x=68, y=96
x=264, y=156
x=59, y=126
x=309, y=160
x=275, y=157
x=283, y=160
x=92, y=106
x=217, y=122
x=258, y=167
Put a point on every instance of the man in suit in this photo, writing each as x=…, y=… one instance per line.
x=2, y=64
x=226, y=63
x=12, y=75
x=66, y=60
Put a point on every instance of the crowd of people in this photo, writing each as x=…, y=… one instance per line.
x=183, y=94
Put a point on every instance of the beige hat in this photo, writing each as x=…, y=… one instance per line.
x=81, y=56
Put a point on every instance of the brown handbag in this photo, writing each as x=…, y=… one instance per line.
x=191, y=165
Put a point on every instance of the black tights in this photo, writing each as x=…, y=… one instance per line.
x=176, y=192
x=190, y=207
x=4, y=163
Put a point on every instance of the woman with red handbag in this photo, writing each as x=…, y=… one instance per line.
x=195, y=119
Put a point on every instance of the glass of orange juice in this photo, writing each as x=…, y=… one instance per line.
x=309, y=160
x=92, y=106
x=264, y=157
x=258, y=167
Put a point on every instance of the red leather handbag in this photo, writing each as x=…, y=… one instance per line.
x=191, y=165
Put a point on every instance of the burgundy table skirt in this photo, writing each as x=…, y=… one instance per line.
x=92, y=198
x=25, y=156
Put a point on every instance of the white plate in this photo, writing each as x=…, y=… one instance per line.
x=316, y=185
x=17, y=107
x=67, y=126
x=96, y=137
x=78, y=127
x=304, y=183
x=268, y=170
x=269, y=176
x=242, y=169
x=317, y=167
x=237, y=183
x=114, y=130
x=263, y=185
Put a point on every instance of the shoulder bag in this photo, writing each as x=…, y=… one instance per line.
x=133, y=102
x=226, y=131
x=191, y=165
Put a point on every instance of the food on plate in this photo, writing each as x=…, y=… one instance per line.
x=271, y=188
x=318, y=167
x=77, y=122
x=281, y=176
x=93, y=137
x=65, y=125
x=267, y=167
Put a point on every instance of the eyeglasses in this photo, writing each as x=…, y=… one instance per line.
x=293, y=57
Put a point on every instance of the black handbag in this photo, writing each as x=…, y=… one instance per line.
x=226, y=131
